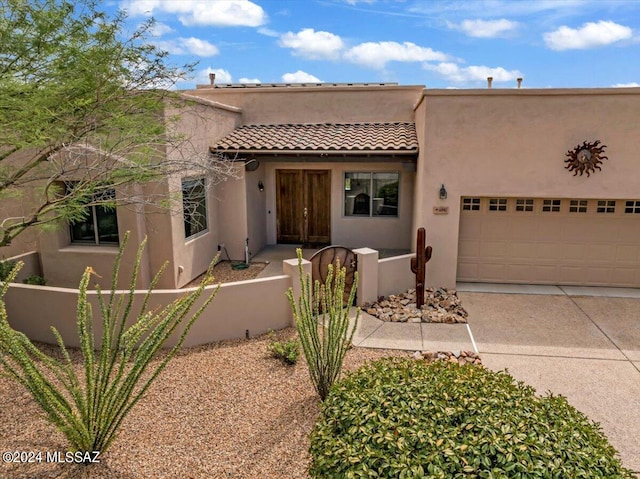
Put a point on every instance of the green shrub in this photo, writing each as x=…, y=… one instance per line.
x=287, y=351
x=322, y=321
x=401, y=418
x=35, y=279
x=5, y=269
x=88, y=407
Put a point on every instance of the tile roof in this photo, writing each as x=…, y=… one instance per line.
x=323, y=137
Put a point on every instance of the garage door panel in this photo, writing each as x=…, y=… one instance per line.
x=560, y=247
x=491, y=271
x=469, y=248
x=468, y=271
x=627, y=254
x=572, y=251
x=600, y=253
x=493, y=249
x=522, y=250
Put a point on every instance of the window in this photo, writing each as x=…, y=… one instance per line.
x=497, y=204
x=578, y=206
x=100, y=226
x=606, y=206
x=632, y=207
x=371, y=194
x=524, y=205
x=551, y=206
x=471, y=204
x=194, y=206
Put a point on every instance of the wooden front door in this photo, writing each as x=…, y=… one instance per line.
x=303, y=206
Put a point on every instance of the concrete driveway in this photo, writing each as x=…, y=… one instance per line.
x=583, y=343
x=586, y=348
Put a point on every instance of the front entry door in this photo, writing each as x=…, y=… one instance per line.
x=303, y=206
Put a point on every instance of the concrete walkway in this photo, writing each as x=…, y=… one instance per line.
x=583, y=343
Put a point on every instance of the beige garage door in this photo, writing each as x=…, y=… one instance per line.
x=550, y=241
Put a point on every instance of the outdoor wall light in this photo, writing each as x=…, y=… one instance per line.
x=260, y=186
x=443, y=193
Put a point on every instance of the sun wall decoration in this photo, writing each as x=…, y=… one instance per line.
x=586, y=158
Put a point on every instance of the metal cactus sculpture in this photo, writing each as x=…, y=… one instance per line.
x=423, y=255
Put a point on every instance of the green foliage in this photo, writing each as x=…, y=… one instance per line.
x=5, y=269
x=322, y=321
x=401, y=418
x=35, y=280
x=83, y=100
x=88, y=406
x=287, y=351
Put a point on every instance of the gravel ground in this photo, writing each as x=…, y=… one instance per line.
x=224, y=273
x=226, y=410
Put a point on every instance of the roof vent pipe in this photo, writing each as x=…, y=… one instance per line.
x=212, y=78
x=519, y=80
x=489, y=81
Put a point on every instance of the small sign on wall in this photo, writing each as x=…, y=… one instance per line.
x=440, y=210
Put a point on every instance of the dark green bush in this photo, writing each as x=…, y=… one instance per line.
x=35, y=279
x=6, y=267
x=286, y=351
x=401, y=418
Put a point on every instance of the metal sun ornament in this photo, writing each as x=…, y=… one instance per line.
x=585, y=158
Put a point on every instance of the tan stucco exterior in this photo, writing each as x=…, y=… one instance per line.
x=478, y=143
x=512, y=143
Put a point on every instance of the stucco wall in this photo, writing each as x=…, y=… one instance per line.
x=269, y=105
x=512, y=143
x=63, y=262
x=202, y=124
x=351, y=231
x=256, y=209
x=229, y=316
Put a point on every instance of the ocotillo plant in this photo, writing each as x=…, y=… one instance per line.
x=423, y=255
x=322, y=321
x=88, y=404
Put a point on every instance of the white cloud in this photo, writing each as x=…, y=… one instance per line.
x=202, y=48
x=300, y=77
x=485, y=28
x=590, y=35
x=314, y=45
x=229, y=13
x=191, y=45
x=222, y=76
x=626, y=85
x=249, y=80
x=159, y=29
x=455, y=73
x=378, y=54
x=268, y=32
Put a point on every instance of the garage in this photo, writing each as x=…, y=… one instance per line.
x=590, y=242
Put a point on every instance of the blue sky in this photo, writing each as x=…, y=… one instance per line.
x=439, y=44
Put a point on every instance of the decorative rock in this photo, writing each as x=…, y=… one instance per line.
x=462, y=358
x=441, y=306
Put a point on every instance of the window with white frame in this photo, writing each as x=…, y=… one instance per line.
x=524, y=204
x=551, y=206
x=371, y=193
x=632, y=206
x=99, y=226
x=606, y=206
x=497, y=204
x=194, y=206
x=471, y=204
x=578, y=206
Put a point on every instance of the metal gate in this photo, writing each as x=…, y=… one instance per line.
x=347, y=259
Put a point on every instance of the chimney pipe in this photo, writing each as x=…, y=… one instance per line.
x=489, y=81
x=519, y=80
x=212, y=78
